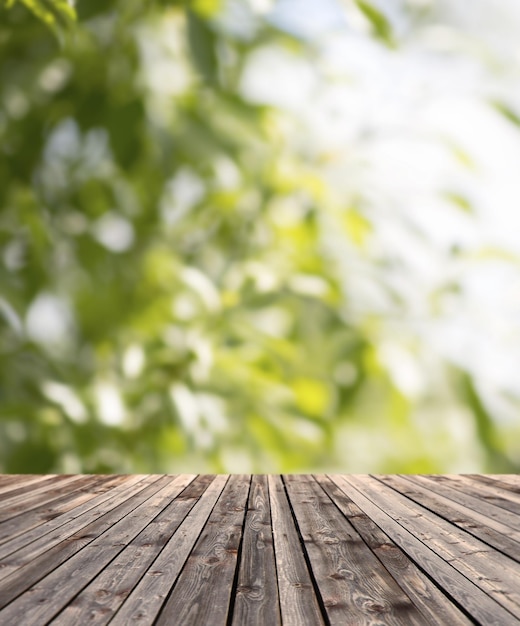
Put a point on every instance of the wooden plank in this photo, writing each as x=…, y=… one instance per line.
x=54, y=530
x=98, y=602
x=396, y=549
x=20, y=483
x=146, y=599
x=354, y=586
x=481, y=526
x=7, y=479
x=203, y=591
x=28, y=565
x=44, y=492
x=472, y=557
x=32, y=487
x=513, y=480
x=436, y=607
x=50, y=511
x=482, y=494
x=399, y=522
x=507, y=492
x=39, y=604
x=497, y=481
x=298, y=602
x=468, y=497
x=494, y=572
x=256, y=600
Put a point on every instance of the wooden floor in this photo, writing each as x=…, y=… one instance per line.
x=295, y=550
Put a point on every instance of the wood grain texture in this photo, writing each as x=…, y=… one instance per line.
x=203, y=591
x=16, y=484
x=480, y=525
x=297, y=550
x=45, y=491
x=503, y=507
x=298, y=601
x=146, y=600
x=40, y=603
x=353, y=584
x=47, y=511
x=99, y=600
x=58, y=528
x=432, y=603
x=383, y=509
x=256, y=601
x=28, y=565
x=494, y=572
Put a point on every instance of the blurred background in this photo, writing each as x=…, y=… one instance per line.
x=259, y=236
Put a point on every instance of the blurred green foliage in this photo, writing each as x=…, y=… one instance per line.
x=55, y=14
x=168, y=298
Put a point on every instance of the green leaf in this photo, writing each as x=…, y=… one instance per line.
x=203, y=8
x=460, y=154
x=459, y=201
x=507, y=112
x=380, y=24
x=54, y=13
x=357, y=227
x=206, y=8
x=485, y=426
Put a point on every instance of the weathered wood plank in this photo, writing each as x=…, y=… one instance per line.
x=354, y=586
x=33, y=487
x=505, y=503
x=146, y=599
x=494, y=572
x=256, y=601
x=39, y=604
x=28, y=565
x=436, y=607
x=6, y=479
x=16, y=484
x=298, y=602
x=399, y=523
x=499, y=482
x=24, y=522
x=44, y=492
x=55, y=530
x=292, y=550
x=204, y=589
x=512, y=479
x=483, y=527
x=99, y=601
